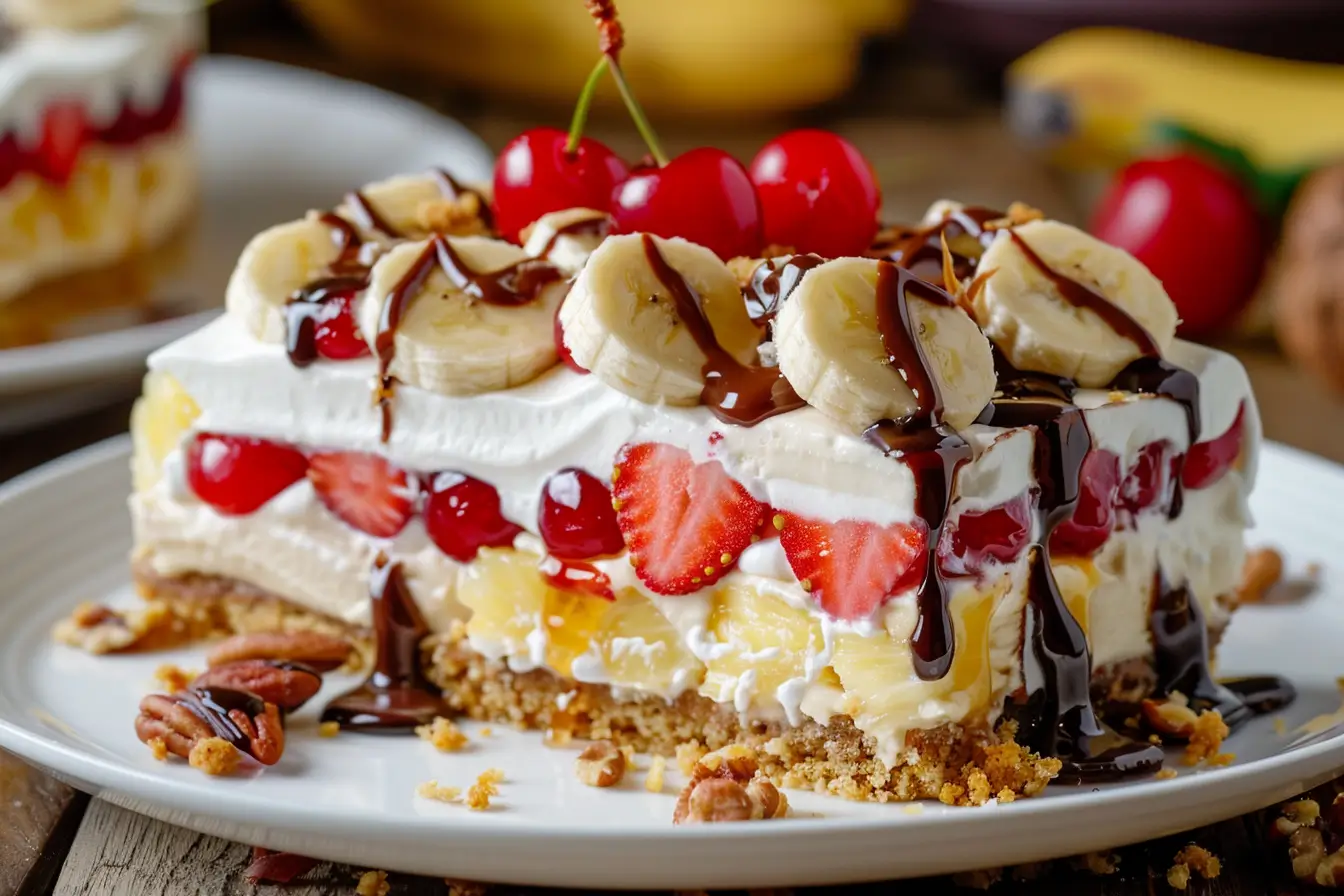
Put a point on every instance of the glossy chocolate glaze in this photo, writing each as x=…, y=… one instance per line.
x=306, y=307
x=396, y=697
x=595, y=226
x=367, y=216
x=212, y=706
x=773, y=281
x=920, y=250
x=739, y=393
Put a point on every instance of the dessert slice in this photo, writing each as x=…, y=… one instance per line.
x=96, y=161
x=908, y=523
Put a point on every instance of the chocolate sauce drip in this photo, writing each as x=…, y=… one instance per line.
x=1080, y=295
x=452, y=188
x=773, y=282
x=348, y=244
x=932, y=451
x=212, y=705
x=1181, y=654
x=307, y=308
x=1262, y=693
x=396, y=697
x=368, y=217
x=595, y=226
x=920, y=250
x=1155, y=376
x=512, y=286
x=739, y=393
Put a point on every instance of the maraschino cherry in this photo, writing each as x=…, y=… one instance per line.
x=817, y=192
x=545, y=170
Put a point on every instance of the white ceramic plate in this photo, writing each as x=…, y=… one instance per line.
x=274, y=142
x=64, y=538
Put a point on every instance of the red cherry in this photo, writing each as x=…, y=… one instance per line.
x=1094, y=516
x=462, y=515
x=1207, y=461
x=336, y=334
x=999, y=533
x=238, y=474
x=705, y=196
x=534, y=175
x=1149, y=483
x=818, y=193
x=576, y=519
x=1196, y=229
x=65, y=128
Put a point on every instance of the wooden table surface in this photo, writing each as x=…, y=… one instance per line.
x=53, y=840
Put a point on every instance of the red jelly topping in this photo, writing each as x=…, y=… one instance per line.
x=1000, y=533
x=462, y=515
x=237, y=474
x=576, y=519
x=336, y=335
x=1207, y=461
x=575, y=575
x=1094, y=516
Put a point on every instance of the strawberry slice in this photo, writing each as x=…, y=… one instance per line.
x=684, y=523
x=850, y=567
x=364, y=490
x=64, y=129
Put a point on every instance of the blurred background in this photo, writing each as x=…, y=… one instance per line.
x=1206, y=136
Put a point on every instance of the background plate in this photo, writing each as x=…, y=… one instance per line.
x=64, y=538
x=274, y=141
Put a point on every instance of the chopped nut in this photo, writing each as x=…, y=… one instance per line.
x=213, y=755
x=1302, y=811
x=372, y=883
x=433, y=790
x=457, y=216
x=443, y=734
x=173, y=678
x=328, y=729
x=601, y=764
x=766, y=800
x=1172, y=716
x=1200, y=860
x=1178, y=876
x=321, y=652
x=724, y=786
x=718, y=799
x=159, y=748
x=653, y=783
x=99, y=629
x=1262, y=571
x=1306, y=850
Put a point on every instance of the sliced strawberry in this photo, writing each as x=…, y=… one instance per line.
x=684, y=523
x=850, y=567
x=364, y=490
x=65, y=127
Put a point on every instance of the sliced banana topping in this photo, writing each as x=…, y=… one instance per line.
x=274, y=265
x=621, y=322
x=1038, y=327
x=567, y=238
x=415, y=206
x=450, y=341
x=831, y=352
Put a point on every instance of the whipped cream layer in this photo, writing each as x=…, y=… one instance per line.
x=799, y=462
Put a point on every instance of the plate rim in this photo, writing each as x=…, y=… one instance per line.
x=1290, y=771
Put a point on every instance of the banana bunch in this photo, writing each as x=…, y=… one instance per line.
x=1021, y=310
x=450, y=343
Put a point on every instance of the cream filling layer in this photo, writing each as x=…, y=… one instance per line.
x=118, y=201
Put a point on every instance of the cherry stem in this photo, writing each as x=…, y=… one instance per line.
x=642, y=123
x=580, y=119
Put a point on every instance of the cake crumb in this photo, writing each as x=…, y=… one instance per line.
x=174, y=678
x=443, y=734
x=465, y=887
x=328, y=729
x=487, y=731
x=1209, y=732
x=479, y=794
x=688, y=756
x=158, y=748
x=1280, y=726
x=372, y=883
x=1101, y=863
x=1165, y=774
x=998, y=767
x=214, y=756
x=1193, y=858
x=653, y=782
x=630, y=757
x=433, y=790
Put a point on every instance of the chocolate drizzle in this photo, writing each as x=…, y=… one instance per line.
x=515, y=285
x=308, y=306
x=367, y=216
x=920, y=250
x=212, y=705
x=739, y=393
x=773, y=282
x=598, y=226
x=397, y=696
x=451, y=188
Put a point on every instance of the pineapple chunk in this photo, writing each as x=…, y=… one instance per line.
x=761, y=635
x=507, y=597
x=573, y=619
x=161, y=416
x=642, y=650
x=1077, y=578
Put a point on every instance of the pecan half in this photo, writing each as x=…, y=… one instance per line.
x=184, y=720
x=179, y=728
x=725, y=786
x=288, y=685
x=321, y=652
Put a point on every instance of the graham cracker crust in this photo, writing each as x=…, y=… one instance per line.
x=959, y=764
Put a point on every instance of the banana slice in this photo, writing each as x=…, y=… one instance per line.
x=452, y=343
x=414, y=206
x=940, y=211
x=275, y=264
x=1022, y=310
x=830, y=350
x=620, y=321
x=568, y=237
